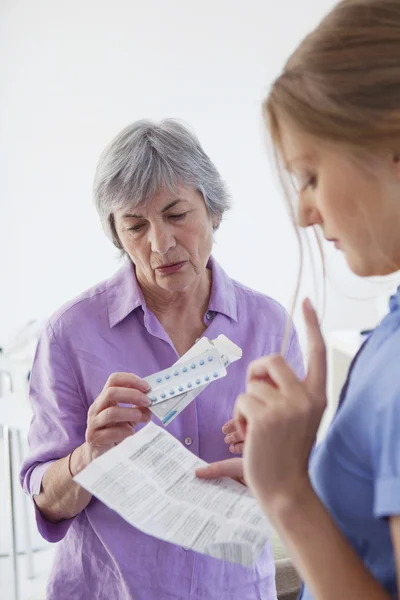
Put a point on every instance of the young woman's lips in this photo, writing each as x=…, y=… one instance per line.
x=172, y=268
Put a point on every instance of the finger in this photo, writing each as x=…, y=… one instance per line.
x=316, y=373
x=233, y=438
x=248, y=409
x=240, y=421
x=232, y=467
x=114, y=415
x=127, y=380
x=236, y=448
x=229, y=427
x=112, y=396
x=258, y=369
x=109, y=435
x=146, y=416
x=263, y=391
x=263, y=376
x=279, y=371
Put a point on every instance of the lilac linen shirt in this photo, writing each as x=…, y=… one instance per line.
x=109, y=329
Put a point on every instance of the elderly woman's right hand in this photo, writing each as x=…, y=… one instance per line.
x=108, y=422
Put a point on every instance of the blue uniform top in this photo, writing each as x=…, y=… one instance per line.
x=356, y=469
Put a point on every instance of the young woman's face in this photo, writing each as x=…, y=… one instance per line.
x=356, y=204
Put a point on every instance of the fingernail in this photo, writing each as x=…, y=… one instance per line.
x=308, y=304
x=228, y=439
x=145, y=386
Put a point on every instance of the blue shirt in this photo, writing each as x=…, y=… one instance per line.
x=356, y=469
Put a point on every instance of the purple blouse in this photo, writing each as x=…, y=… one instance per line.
x=109, y=329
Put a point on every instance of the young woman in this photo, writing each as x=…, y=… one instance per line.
x=334, y=117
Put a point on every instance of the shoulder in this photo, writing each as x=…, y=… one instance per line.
x=85, y=306
x=375, y=384
x=82, y=315
x=261, y=308
x=387, y=371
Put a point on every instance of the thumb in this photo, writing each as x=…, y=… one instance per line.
x=316, y=373
x=232, y=467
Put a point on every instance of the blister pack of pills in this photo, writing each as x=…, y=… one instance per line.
x=173, y=389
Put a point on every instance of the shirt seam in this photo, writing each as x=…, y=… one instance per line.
x=76, y=303
x=69, y=365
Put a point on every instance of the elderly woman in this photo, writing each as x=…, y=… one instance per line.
x=160, y=200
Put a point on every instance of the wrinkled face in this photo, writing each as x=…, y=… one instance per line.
x=356, y=202
x=169, y=240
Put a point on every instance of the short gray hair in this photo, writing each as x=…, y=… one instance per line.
x=146, y=157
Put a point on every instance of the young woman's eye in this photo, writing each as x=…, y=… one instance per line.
x=311, y=183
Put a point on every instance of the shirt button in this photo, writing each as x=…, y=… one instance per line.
x=188, y=441
x=208, y=315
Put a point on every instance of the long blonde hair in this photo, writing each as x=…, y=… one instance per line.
x=342, y=83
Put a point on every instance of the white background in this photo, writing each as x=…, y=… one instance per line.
x=74, y=73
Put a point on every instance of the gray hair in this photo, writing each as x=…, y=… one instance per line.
x=146, y=157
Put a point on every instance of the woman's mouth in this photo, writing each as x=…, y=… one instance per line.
x=170, y=268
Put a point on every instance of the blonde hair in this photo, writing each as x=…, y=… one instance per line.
x=342, y=83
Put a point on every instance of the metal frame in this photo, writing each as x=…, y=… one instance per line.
x=13, y=441
x=9, y=472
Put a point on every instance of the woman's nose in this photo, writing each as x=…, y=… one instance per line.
x=308, y=214
x=162, y=240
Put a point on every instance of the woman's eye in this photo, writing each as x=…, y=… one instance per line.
x=311, y=183
x=305, y=182
x=177, y=217
x=136, y=227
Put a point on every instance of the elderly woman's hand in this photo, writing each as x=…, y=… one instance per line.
x=108, y=422
x=233, y=437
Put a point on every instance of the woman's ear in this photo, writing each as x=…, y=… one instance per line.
x=115, y=236
x=216, y=221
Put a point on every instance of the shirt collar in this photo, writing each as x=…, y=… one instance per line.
x=394, y=302
x=124, y=294
x=223, y=296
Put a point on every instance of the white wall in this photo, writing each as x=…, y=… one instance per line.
x=74, y=73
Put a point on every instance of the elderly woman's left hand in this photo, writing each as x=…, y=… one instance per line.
x=233, y=437
x=279, y=422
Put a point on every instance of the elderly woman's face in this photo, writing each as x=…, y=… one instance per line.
x=169, y=240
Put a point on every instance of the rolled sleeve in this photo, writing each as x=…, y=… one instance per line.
x=58, y=425
x=386, y=445
x=52, y=532
x=387, y=497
